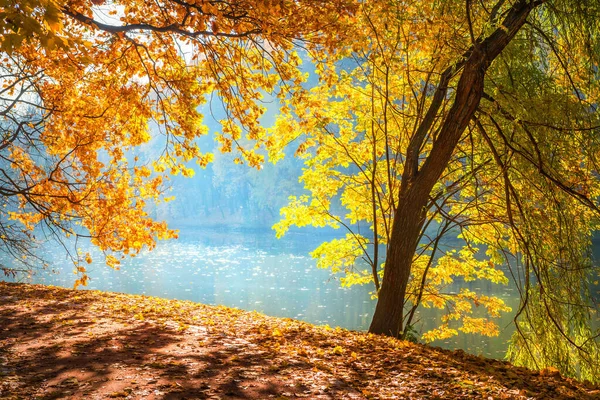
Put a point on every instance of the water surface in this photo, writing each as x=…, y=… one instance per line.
x=252, y=270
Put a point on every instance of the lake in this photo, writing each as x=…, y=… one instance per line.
x=253, y=270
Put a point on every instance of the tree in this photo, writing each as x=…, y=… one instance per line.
x=472, y=117
x=83, y=82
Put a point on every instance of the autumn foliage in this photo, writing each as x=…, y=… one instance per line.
x=429, y=119
x=458, y=141
x=86, y=82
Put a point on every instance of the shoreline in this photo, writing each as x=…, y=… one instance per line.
x=63, y=343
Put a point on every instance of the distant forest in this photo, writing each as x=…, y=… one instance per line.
x=225, y=193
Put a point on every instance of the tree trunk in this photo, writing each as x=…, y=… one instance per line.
x=408, y=221
x=417, y=183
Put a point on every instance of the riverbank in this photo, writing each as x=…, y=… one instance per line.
x=60, y=343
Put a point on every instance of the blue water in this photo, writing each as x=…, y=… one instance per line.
x=252, y=270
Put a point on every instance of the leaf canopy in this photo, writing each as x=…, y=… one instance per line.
x=522, y=183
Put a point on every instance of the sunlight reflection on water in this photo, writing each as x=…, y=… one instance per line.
x=254, y=271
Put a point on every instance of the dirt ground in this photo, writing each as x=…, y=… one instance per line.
x=59, y=343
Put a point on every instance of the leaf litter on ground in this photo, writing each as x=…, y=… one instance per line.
x=62, y=343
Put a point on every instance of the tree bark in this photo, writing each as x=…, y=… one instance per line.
x=417, y=183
